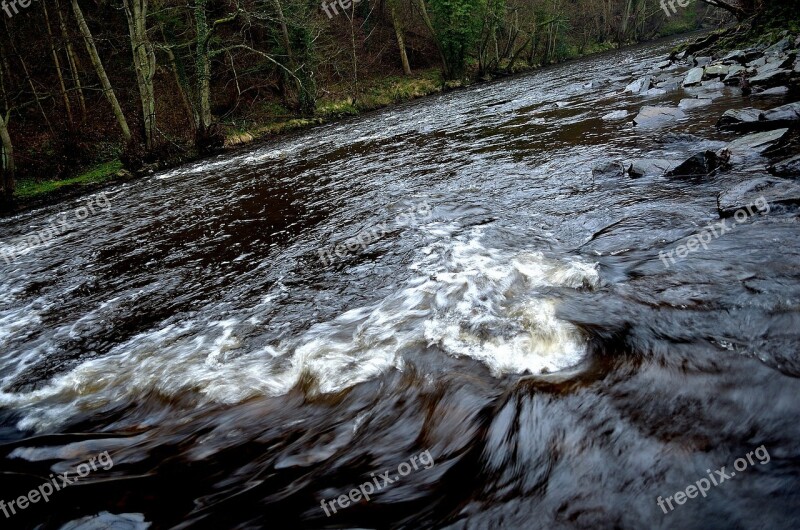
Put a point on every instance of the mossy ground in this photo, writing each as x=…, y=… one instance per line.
x=29, y=189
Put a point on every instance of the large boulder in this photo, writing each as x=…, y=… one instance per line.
x=694, y=77
x=759, y=194
x=740, y=119
x=650, y=117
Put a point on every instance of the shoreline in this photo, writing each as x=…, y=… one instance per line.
x=328, y=113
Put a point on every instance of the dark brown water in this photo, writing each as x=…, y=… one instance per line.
x=515, y=325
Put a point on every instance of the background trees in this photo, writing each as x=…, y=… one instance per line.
x=177, y=76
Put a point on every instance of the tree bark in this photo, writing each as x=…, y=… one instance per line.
x=72, y=60
x=57, y=64
x=101, y=72
x=7, y=157
x=144, y=61
x=401, y=44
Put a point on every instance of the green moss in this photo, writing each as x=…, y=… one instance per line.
x=27, y=189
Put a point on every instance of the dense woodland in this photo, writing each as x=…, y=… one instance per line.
x=87, y=81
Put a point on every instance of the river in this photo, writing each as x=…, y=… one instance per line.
x=445, y=282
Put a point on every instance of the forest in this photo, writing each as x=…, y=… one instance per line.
x=89, y=88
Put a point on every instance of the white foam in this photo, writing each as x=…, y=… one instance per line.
x=468, y=300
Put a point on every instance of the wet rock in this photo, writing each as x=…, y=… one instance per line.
x=656, y=116
x=779, y=47
x=757, y=63
x=717, y=70
x=664, y=64
x=777, y=64
x=670, y=84
x=608, y=169
x=653, y=92
x=786, y=114
x=736, y=56
x=640, y=86
x=760, y=195
x=787, y=168
x=616, y=115
x=778, y=91
x=757, y=142
x=771, y=78
x=739, y=119
x=653, y=167
x=694, y=103
x=700, y=165
x=734, y=77
x=694, y=77
x=702, y=61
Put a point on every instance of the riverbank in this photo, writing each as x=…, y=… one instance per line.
x=377, y=93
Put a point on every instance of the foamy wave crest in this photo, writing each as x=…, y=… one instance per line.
x=467, y=301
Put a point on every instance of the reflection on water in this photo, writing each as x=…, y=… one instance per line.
x=526, y=333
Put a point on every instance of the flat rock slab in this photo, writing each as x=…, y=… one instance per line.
x=757, y=143
x=786, y=113
x=640, y=86
x=771, y=78
x=616, y=115
x=787, y=168
x=694, y=77
x=778, y=91
x=652, y=167
x=739, y=119
x=700, y=165
x=608, y=169
x=657, y=116
x=717, y=70
x=759, y=195
x=694, y=103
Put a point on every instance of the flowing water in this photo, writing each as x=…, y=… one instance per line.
x=444, y=282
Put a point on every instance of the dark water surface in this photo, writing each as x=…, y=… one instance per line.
x=518, y=328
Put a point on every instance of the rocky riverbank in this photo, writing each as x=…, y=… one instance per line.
x=763, y=161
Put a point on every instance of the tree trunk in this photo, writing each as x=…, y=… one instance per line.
x=72, y=59
x=144, y=61
x=101, y=72
x=401, y=44
x=203, y=68
x=427, y=19
x=7, y=183
x=57, y=64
